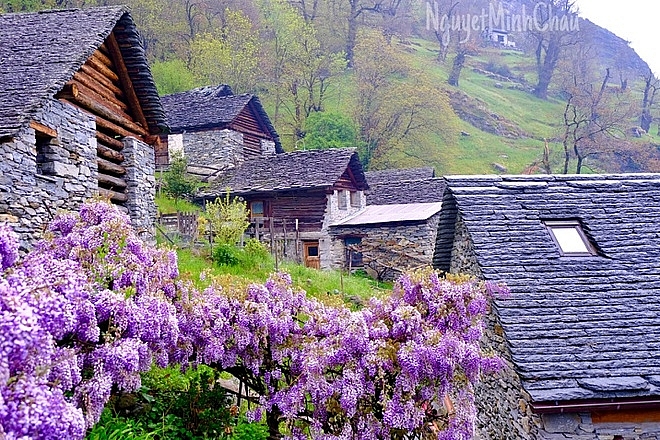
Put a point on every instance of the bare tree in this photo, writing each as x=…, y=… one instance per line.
x=651, y=85
x=593, y=121
x=552, y=36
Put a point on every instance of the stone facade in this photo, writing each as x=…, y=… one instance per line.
x=504, y=407
x=417, y=238
x=267, y=147
x=140, y=164
x=41, y=175
x=211, y=151
x=333, y=214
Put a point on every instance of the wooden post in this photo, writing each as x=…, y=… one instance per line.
x=297, y=243
x=256, y=228
x=284, y=230
x=273, y=246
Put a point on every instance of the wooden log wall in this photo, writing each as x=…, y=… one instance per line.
x=246, y=122
x=103, y=88
x=308, y=209
x=346, y=181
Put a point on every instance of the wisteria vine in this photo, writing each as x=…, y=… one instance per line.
x=92, y=306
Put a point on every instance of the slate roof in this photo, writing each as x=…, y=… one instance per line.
x=386, y=176
x=311, y=169
x=414, y=185
x=378, y=214
x=578, y=327
x=40, y=52
x=211, y=107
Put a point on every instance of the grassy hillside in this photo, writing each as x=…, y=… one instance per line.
x=495, y=121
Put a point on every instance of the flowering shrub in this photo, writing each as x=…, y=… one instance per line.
x=83, y=314
x=400, y=366
x=92, y=307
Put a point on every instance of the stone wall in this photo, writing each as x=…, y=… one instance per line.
x=33, y=187
x=416, y=239
x=503, y=405
x=334, y=214
x=214, y=149
x=267, y=147
x=140, y=163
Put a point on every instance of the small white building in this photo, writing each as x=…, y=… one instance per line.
x=501, y=37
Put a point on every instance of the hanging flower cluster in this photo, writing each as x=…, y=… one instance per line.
x=93, y=306
x=81, y=316
x=401, y=366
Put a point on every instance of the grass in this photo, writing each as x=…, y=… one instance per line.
x=329, y=286
x=167, y=205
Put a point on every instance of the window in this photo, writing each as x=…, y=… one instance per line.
x=256, y=209
x=353, y=256
x=570, y=238
x=45, y=154
x=355, y=199
x=341, y=196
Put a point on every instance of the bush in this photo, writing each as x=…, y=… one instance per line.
x=226, y=255
x=500, y=69
x=249, y=431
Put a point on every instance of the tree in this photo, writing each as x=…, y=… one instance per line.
x=176, y=181
x=172, y=76
x=230, y=55
x=228, y=219
x=554, y=31
x=329, y=130
x=299, y=70
x=593, y=120
x=396, y=105
x=651, y=86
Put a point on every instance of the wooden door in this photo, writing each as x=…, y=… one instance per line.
x=311, y=253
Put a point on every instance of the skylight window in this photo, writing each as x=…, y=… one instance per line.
x=570, y=238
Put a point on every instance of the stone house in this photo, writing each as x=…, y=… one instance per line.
x=216, y=130
x=580, y=332
x=79, y=115
x=293, y=198
x=392, y=234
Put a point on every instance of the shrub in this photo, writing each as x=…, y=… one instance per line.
x=228, y=219
x=226, y=255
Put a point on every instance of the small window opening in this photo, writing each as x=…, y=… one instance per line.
x=353, y=256
x=341, y=199
x=312, y=251
x=570, y=238
x=355, y=199
x=256, y=209
x=44, y=154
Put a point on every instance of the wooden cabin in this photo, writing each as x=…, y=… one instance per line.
x=217, y=130
x=294, y=197
x=79, y=115
x=580, y=330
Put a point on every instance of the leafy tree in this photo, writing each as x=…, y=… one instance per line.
x=325, y=130
x=300, y=71
x=176, y=181
x=396, y=105
x=229, y=56
x=172, y=76
x=228, y=219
